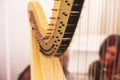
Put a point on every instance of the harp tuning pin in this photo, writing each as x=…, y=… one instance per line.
x=52, y=18
x=54, y=9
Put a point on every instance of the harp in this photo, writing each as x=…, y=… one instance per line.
x=51, y=40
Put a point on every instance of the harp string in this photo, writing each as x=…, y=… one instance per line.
x=87, y=35
x=78, y=54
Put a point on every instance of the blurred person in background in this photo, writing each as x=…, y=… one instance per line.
x=108, y=65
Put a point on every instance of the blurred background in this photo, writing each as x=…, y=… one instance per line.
x=99, y=18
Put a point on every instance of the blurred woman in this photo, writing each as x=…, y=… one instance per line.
x=108, y=64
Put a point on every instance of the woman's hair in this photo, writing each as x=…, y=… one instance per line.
x=112, y=40
x=25, y=74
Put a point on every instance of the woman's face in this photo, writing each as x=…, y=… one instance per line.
x=111, y=54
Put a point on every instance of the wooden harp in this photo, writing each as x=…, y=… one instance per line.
x=51, y=40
